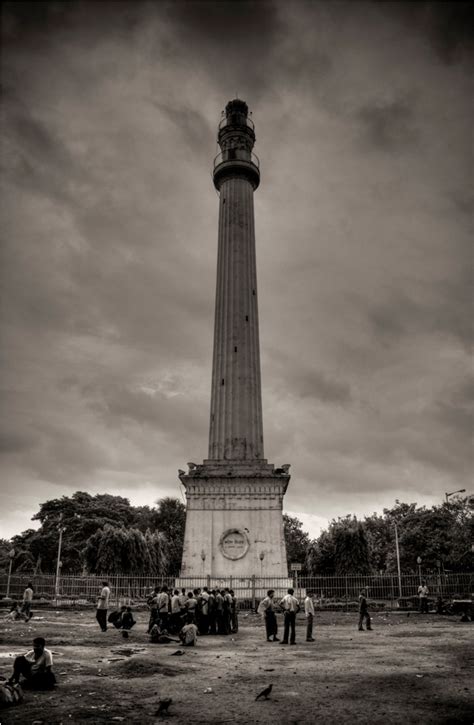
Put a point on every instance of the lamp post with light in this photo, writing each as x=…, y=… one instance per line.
x=61, y=530
x=461, y=490
x=11, y=555
x=398, y=562
x=418, y=561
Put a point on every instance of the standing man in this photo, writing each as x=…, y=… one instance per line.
x=204, y=624
x=163, y=606
x=175, y=612
x=309, y=614
x=363, y=611
x=423, y=592
x=102, y=606
x=211, y=610
x=27, y=599
x=266, y=608
x=290, y=607
x=234, y=613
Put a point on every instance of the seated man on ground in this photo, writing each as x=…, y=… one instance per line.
x=116, y=617
x=36, y=667
x=157, y=636
x=15, y=613
x=189, y=632
x=127, y=621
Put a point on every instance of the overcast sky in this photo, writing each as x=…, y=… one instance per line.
x=363, y=216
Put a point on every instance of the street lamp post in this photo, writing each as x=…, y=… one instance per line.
x=418, y=561
x=398, y=562
x=61, y=530
x=461, y=490
x=11, y=554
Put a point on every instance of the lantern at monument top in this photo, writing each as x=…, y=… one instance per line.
x=236, y=138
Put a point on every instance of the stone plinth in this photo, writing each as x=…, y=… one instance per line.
x=234, y=523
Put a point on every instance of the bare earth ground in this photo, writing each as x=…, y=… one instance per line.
x=410, y=669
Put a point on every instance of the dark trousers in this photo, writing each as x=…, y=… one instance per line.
x=164, y=620
x=35, y=681
x=203, y=625
x=26, y=609
x=424, y=605
x=235, y=622
x=271, y=624
x=212, y=623
x=364, y=615
x=220, y=623
x=101, y=616
x=290, y=622
x=309, y=626
x=153, y=619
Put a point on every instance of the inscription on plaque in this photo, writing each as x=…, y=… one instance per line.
x=234, y=544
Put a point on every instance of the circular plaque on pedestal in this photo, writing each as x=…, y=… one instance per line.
x=234, y=544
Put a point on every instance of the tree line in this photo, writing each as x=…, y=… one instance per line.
x=106, y=534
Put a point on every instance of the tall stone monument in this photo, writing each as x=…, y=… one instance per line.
x=234, y=523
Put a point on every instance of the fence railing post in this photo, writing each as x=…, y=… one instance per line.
x=253, y=592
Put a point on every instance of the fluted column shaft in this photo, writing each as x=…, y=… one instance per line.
x=236, y=428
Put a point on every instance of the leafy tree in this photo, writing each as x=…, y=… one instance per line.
x=169, y=518
x=297, y=541
x=351, y=551
x=320, y=557
x=128, y=551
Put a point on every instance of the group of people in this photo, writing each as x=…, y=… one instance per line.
x=290, y=606
x=213, y=612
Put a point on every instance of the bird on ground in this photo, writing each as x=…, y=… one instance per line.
x=163, y=705
x=264, y=693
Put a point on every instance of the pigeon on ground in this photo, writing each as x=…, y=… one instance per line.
x=163, y=705
x=265, y=693
x=178, y=653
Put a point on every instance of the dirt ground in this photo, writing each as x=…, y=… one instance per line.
x=410, y=669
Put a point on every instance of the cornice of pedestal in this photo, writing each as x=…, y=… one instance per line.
x=235, y=478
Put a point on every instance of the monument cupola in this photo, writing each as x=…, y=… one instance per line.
x=236, y=138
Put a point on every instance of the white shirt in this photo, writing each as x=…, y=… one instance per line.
x=289, y=603
x=28, y=594
x=163, y=600
x=264, y=605
x=423, y=591
x=175, y=604
x=103, y=602
x=308, y=606
x=44, y=660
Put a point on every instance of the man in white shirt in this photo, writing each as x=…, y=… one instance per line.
x=309, y=614
x=290, y=606
x=102, y=606
x=36, y=667
x=27, y=600
x=163, y=604
x=423, y=592
x=175, y=612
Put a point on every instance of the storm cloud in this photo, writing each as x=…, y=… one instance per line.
x=109, y=218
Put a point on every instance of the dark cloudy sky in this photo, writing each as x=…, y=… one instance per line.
x=363, y=217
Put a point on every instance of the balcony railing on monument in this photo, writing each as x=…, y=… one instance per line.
x=236, y=155
x=237, y=120
x=333, y=593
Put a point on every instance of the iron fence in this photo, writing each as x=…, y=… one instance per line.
x=329, y=592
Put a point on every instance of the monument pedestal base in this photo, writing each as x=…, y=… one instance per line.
x=234, y=521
